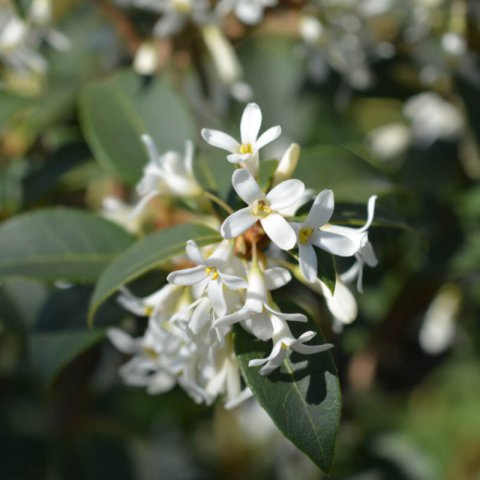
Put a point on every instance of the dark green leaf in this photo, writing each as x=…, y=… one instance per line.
x=116, y=112
x=146, y=255
x=302, y=397
x=51, y=352
x=59, y=243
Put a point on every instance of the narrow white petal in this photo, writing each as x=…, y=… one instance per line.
x=237, y=157
x=200, y=316
x=268, y=136
x=368, y=255
x=276, y=277
x=308, y=262
x=285, y=194
x=220, y=139
x=187, y=276
x=194, y=254
x=237, y=223
x=151, y=147
x=370, y=213
x=257, y=291
x=334, y=243
x=235, y=317
x=233, y=282
x=246, y=186
x=122, y=341
x=250, y=123
x=311, y=349
x=279, y=231
x=342, y=304
x=322, y=209
x=293, y=317
x=138, y=209
x=216, y=297
x=237, y=400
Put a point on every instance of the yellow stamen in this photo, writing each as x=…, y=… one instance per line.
x=284, y=346
x=212, y=272
x=304, y=235
x=261, y=209
x=148, y=311
x=181, y=6
x=246, y=148
x=150, y=353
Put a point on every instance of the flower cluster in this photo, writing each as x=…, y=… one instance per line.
x=188, y=338
x=20, y=38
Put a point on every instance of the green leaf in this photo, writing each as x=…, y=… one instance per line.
x=116, y=112
x=302, y=397
x=51, y=352
x=146, y=255
x=64, y=244
x=267, y=169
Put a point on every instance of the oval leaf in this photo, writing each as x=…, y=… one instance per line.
x=116, y=112
x=147, y=254
x=51, y=352
x=302, y=397
x=55, y=244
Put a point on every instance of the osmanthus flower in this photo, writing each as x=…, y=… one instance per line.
x=210, y=274
x=310, y=235
x=249, y=12
x=363, y=252
x=264, y=208
x=245, y=151
x=283, y=343
x=167, y=174
x=257, y=313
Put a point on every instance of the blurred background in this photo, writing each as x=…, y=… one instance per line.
x=381, y=95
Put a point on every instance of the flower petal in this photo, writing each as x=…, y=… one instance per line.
x=276, y=277
x=151, y=148
x=333, y=243
x=293, y=317
x=237, y=223
x=122, y=341
x=342, y=303
x=370, y=213
x=220, y=139
x=250, y=123
x=268, y=136
x=322, y=209
x=187, y=276
x=308, y=262
x=200, y=316
x=193, y=253
x=216, y=297
x=233, y=282
x=279, y=231
x=285, y=194
x=246, y=186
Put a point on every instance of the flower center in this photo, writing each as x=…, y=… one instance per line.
x=304, y=235
x=212, y=272
x=181, y=6
x=150, y=353
x=148, y=310
x=261, y=208
x=246, y=148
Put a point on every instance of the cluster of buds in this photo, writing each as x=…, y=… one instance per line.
x=189, y=335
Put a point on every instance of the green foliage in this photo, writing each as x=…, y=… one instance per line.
x=61, y=243
x=302, y=397
x=152, y=252
x=117, y=111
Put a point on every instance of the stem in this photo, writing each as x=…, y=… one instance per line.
x=219, y=202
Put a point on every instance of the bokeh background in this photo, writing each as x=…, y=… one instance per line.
x=383, y=99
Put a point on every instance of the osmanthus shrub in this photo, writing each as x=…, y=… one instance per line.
x=216, y=328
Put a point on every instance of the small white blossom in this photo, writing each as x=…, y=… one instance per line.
x=245, y=151
x=310, y=234
x=264, y=208
x=283, y=343
x=167, y=174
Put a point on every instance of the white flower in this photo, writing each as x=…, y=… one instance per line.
x=283, y=342
x=121, y=213
x=310, y=234
x=250, y=11
x=264, y=208
x=209, y=274
x=256, y=315
x=247, y=150
x=167, y=174
x=287, y=164
x=364, y=253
